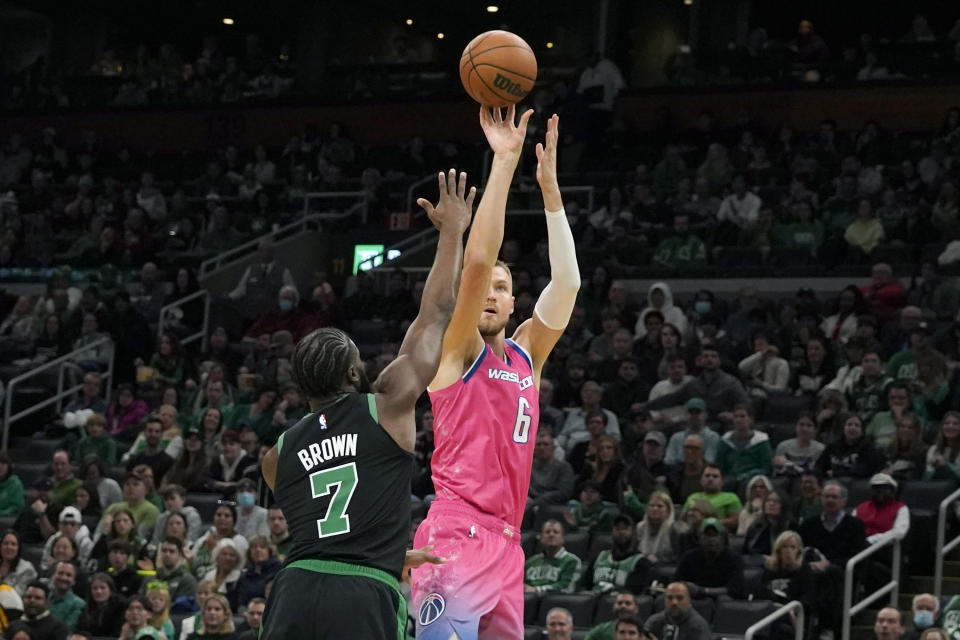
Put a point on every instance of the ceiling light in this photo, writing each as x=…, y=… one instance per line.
x=688, y=2
x=440, y=36
x=228, y=21
x=409, y=21
x=492, y=8
x=549, y=45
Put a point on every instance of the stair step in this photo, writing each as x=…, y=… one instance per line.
x=951, y=568
x=924, y=584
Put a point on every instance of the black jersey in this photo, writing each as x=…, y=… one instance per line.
x=344, y=486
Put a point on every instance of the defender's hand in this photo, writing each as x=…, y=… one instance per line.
x=455, y=207
x=416, y=557
x=547, y=155
x=502, y=134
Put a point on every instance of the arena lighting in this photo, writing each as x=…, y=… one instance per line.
x=409, y=21
x=228, y=21
x=549, y=45
x=493, y=8
x=440, y=36
x=688, y=2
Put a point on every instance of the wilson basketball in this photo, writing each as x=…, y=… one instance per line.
x=498, y=68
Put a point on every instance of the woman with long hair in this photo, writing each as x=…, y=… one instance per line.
x=123, y=526
x=11, y=488
x=907, y=455
x=227, y=568
x=753, y=496
x=654, y=531
x=817, y=369
x=14, y=570
x=224, y=526
x=190, y=468
x=205, y=589
x=92, y=472
x=103, y=613
x=136, y=618
x=605, y=470
x=211, y=427
x=773, y=521
x=217, y=620
x=158, y=594
x=852, y=455
x=786, y=577
x=842, y=325
x=168, y=360
x=943, y=457
x=262, y=566
x=686, y=530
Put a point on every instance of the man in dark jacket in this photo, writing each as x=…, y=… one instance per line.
x=712, y=570
x=719, y=389
x=36, y=613
x=679, y=619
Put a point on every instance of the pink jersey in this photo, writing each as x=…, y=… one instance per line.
x=485, y=426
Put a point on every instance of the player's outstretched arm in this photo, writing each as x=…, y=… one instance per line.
x=462, y=342
x=402, y=382
x=553, y=308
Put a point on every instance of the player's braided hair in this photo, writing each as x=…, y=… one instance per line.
x=320, y=362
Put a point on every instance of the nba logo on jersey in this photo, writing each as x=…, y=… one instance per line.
x=431, y=608
x=323, y=421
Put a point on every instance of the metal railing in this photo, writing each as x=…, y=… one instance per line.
x=416, y=242
x=892, y=587
x=360, y=206
x=793, y=605
x=61, y=363
x=943, y=547
x=168, y=317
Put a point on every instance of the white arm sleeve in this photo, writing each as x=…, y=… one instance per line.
x=557, y=299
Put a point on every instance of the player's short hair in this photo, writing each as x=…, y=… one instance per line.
x=321, y=360
x=503, y=265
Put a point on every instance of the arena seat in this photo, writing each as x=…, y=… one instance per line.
x=604, y=609
x=706, y=607
x=37, y=449
x=578, y=543
x=780, y=431
x=552, y=512
x=663, y=572
x=29, y=473
x=531, y=607
x=785, y=408
x=925, y=495
x=33, y=553
x=528, y=542
x=734, y=617
x=580, y=605
x=579, y=634
x=532, y=633
x=205, y=503
x=858, y=490
x=753, y=579
x=6, y=522
x=599, y=541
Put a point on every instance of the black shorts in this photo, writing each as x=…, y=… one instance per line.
x=312, y=605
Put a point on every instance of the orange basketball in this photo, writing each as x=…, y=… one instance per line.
x=498, y=68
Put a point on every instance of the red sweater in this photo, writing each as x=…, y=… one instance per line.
x=878, y=520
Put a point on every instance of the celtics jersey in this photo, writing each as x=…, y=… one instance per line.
x=344, y=486
x=611, y=574
x=559, y=573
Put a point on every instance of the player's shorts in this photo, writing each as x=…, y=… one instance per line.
x=478, y=592
x=326, y=600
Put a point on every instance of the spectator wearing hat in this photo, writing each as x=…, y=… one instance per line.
x=726, y=503
x=35, y=521
x=70, y=525
x=589, y=513
x=551, y=480
x=645, y=472
x=145, y=513
x=622, y=566
x=226, y=470
x=743, y=451
x=712, y=570
x=883, y=515
x=696, y=425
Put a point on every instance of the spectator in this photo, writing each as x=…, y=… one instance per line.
x=926, y=610
x=675, y=380
x=119, y=567
x=646, y=472
x=14, y=570
x=102, y=613
x=654, y=533
x=754, y=494
x=943, y=457
x=726, y=504
x=744, y=452
x=64, y=482
x=167, y=362
x=602, y=346
x=866, y=386
x=95, y=441
x=575, y=426
x=89, y=397
x=174, y=501
x=621, y=566
x=737, y=212
x=251, y=518
x=808, y=505
x=94, y=475
x=118, y=525
x=882, y=428
x=148, y=296
x=226, y=569
x=604, y=470
x=172, y=569
x=11, y=489
x=773, y=521
x=159, y=597
x=628, y=390
x=224, y=526
x=717, y=388
x=906, y=455
x=678, y=619
x=883, y=516
x=795, y=456
x=258, y=415
x=225, y=470
x=786, y=577
x=624, y=605
x=899, y=337
x=151, y=450
x=137, y=620
x=864, y=234
x=35, y=522
x=554, y=568
x=285, y=316
x=889, y=625
x=262, y=567
x=143, y=513
x=125, y=413
x=190, y=469
x=249, y=629
x=842, y=325
x=205, y=588
x=937, y=296
x=765, y=372
x=817, y=369
x=851, y=455
x=884, y=296
x=36, y=614
x=280, y=536
x=835, y=534
x=559, y=624
x=683, y=249
x=64, y=603
x=70, y=525
x=695, y=426
x=684, y=479
x=660, y=298
x=551, y=480
x=628, y=627
x=712, y=570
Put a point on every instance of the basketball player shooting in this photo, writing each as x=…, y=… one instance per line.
x=486, y=409
x=342, y=474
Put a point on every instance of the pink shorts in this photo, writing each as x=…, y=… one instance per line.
x=478, y=592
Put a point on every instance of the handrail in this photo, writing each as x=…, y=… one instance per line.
x=330, y=195
x=776, y=615
x=240, y=252
x=943, y=547
x=202, y=334
x=893, y=587
x=60, y=362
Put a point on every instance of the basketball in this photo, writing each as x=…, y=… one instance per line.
x=498, y=68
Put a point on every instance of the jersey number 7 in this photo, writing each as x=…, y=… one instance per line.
x=342, y=481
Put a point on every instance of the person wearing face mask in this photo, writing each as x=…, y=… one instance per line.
x=926, y=610
x=251, y=519
x=286, y=316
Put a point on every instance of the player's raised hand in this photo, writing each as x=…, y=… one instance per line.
x=455, y=207
x=502, y=134
x=547, y=166
x=417, y=557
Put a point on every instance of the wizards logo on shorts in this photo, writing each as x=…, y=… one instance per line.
x=431, y=608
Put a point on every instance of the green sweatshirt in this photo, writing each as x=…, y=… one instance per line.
x=595, y=518
x=11, y=496
x=559, y=573
x=745, y=462
x=903, y=366
x=681, y=251
x=105, y=447
x=603, y=631
x=610, y=574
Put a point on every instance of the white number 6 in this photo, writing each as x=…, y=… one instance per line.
x=521, y=430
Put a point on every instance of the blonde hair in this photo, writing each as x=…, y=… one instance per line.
x=647, y=541
x=159, y=617
x=227, y=626
x=773, y=562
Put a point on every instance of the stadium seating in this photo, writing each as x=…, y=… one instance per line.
x=581, y=605
x=733, y=617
